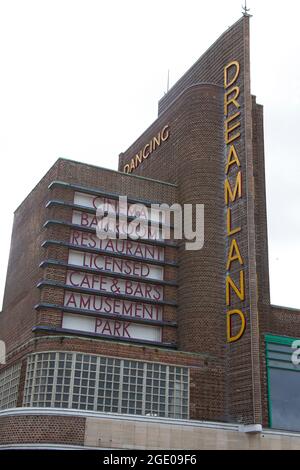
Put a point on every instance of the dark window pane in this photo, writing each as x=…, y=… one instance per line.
x=285, y=399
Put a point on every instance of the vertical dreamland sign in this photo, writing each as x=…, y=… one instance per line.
x=233, y=192
x=240, y=279
x=116, y=290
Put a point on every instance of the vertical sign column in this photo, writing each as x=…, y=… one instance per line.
x=233, y=190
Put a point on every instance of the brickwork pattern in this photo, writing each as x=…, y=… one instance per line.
x=42, y=429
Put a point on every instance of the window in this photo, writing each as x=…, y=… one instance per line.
x=283, y=384
x=111, y=385
x=9, y=385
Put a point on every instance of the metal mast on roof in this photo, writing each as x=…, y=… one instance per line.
x=245, y=9
x=168, y=81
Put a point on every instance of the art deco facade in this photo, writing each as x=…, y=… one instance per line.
x=118, y=343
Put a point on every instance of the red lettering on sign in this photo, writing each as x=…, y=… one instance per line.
x=126, y=247
x=113, y=306
x=84, y=219
x=112, y=328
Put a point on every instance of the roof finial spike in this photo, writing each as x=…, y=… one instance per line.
x=168, y=82
x=245, y=9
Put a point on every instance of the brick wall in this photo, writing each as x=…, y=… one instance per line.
x=23, y=273
x=25, y=429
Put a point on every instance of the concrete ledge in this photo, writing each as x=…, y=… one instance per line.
x=114, y=416
x=59, y=429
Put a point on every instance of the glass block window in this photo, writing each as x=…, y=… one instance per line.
x=9, y=385
x=111, y=385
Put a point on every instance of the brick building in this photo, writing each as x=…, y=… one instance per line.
x=143, y=343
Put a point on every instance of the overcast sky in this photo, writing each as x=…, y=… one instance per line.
x=81, y=79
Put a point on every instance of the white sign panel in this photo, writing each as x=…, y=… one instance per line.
x=111, y=206
x=101, y=283
x=114, y=328
x=121, y=247
x=115, y=265
x=122, y=227
x=113, y=306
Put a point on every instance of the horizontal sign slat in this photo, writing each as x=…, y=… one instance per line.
x=115, y=265
x=113, y=306
x=114, y=328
